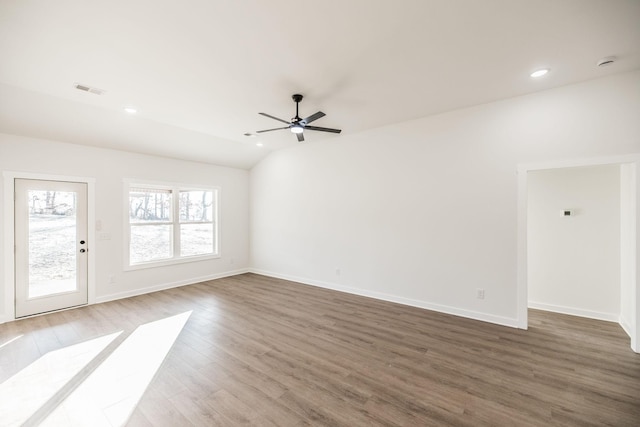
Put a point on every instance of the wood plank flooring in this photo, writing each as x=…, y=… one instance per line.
x=268, y=352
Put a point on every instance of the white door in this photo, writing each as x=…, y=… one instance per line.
x=50, y=245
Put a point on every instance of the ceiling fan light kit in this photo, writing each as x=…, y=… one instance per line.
x=298, y=125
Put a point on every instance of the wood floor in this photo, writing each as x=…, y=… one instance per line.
x=262, y=351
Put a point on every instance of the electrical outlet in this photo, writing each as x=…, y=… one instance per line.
x=111, y=278
x=338, y=271
x=480, y=293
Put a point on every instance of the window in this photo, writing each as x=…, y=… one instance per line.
x=169, y=223
x=196, y=222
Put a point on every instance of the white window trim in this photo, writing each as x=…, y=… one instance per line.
x=175, y=189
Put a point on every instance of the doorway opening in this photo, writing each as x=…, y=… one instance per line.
x=582, y=224
x=573, y=241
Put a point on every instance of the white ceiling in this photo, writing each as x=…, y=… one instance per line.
x=199, y=71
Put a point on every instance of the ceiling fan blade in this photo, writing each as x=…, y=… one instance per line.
x=269, y=130
x=323, y=129
x=300, y=136
x=313, y=117
x=274, y=118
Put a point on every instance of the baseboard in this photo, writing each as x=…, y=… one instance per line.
x=163, y=286
x=499, y=320
x=609, y=317
x=625, y=326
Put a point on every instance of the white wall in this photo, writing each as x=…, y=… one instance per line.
x=109, y=168
x=425, y=212
x=574, y=261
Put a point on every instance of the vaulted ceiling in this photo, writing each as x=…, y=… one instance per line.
x=199, y=71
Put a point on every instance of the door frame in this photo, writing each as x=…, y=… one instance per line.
x=9, y=235
x=633, y=258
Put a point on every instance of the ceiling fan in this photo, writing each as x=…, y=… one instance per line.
x=298, y=125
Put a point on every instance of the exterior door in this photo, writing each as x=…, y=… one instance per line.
x=50, y=245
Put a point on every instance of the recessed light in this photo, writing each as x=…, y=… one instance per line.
x=259, y=144
x=539, y=73
x=130, y=110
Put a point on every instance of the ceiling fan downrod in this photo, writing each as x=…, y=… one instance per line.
x=297, y=98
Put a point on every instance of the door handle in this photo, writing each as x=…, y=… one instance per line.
x=82, y=251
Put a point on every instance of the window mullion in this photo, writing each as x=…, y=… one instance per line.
x=175, y=198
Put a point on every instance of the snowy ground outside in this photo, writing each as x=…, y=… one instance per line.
x=52, y=254
x=52, y=249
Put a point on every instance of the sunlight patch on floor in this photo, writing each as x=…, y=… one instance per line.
x=28, y=390
x=110, y=394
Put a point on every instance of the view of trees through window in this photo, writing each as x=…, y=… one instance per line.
x=196, y=206
x=153, y=222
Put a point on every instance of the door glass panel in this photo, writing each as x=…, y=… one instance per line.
x=52, y=242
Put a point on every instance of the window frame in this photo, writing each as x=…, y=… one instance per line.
x=174, y=190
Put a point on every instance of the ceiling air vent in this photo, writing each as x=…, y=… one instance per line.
x=605, y=62
x=89, y=89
